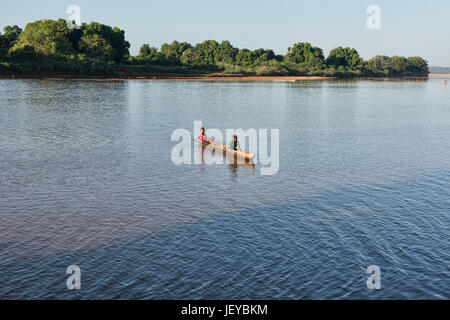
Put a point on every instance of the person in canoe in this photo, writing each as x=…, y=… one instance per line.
x=203, y=136
x=234, y=144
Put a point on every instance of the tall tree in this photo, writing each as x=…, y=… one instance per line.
x=48, y=37
x=225, y=53
x=305, y=55
x=417, y=65
x=147, y=53
x=175, y=50
x=113, y=36
x=346, y=57
x=9, y=37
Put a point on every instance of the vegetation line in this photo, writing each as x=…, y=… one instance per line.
x=49, y=47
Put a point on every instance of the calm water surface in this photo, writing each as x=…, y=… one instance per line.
x=86, y=178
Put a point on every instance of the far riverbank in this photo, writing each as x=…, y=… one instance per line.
x=207, y=77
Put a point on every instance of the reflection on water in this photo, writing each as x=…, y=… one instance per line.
x=248, y=165
x=86, y=177
x=211, y=156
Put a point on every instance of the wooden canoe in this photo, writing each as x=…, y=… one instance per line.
x=220, y=147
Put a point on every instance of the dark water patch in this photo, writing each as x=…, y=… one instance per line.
x=313, y=247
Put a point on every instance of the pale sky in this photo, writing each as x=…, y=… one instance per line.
x=408, y=27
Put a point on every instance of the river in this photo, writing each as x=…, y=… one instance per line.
x=87, y=179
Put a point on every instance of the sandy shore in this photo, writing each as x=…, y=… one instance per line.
x=249, y=78
x=437, y=75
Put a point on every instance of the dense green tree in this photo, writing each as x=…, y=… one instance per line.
x=190, y=56
x=346, y=57
x=210, y=52
x=418, y=66
x=398, y=65
x=95, y=46
x=379, y=65
x=9, y=37
x=48, y=37
x=53, y=38
x=205, y=52
x=147, y=53
x=245, y=57
x=305, y=55
x=263, y=55
x=113, y=36
x=225, y=53
x=151, y=55
x=74, y=37
x=175, y=49
x=25, y=53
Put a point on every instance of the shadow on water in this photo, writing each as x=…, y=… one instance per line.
x=313, y=247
